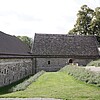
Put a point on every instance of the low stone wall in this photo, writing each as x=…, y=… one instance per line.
x=12, y=70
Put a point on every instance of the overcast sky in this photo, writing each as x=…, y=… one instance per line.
x=26, y=17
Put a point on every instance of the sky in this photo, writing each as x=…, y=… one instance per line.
x=27, y=17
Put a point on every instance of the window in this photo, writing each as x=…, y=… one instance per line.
x=48, y=62
x=7, y=71
x=4, y=71
x=4, y=80
x=13, y=77
x=9, y=81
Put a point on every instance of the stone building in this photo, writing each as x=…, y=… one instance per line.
x=53, y=51
x=15, y=59
x=50, y=53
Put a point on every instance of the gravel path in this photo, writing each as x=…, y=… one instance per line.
x=28, y=99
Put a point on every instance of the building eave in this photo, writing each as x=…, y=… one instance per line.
x=68, y=56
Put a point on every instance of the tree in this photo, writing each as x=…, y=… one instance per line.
x=88, y=22
x=95, y=22
x=26, y=40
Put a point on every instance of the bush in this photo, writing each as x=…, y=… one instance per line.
x=82, y=74
x=26, y=83
x=95, y=63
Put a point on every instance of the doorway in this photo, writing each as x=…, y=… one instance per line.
x=70, y=61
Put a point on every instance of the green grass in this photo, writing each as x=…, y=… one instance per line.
x=80, y=73
x=95, y=63
x=58, y=85
x=23, y=85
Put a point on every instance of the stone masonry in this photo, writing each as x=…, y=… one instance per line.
x=55, y=64
x=12, y=70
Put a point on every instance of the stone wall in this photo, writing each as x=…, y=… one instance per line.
x=12, y=70
x=82, y=62
x=50, y=64
x=54, y=64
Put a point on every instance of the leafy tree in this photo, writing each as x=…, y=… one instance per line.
x=26, y=40
x=95, y=22
x=88, y=22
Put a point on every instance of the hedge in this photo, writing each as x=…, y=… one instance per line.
x=26, y=83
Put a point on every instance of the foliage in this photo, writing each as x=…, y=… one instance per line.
x=88, y=22
x=58, y=85
x=95, y=63
x=82, y=74
x=26, y=83
x=26, y=40
x=95, y=22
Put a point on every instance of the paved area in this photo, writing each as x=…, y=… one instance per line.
x=28, y=99
x=93, y=68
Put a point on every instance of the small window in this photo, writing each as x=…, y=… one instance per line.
x=4, y=71
x=4, y=80
x=48, y=62
x=7, y=71
x=9, y=81
x=13, y=77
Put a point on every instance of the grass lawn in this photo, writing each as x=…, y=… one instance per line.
x=58, y=85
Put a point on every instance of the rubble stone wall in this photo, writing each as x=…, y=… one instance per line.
x=12, y=70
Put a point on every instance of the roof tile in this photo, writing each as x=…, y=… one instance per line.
x=60, y=44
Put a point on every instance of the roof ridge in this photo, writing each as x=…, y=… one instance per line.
x=64, y=34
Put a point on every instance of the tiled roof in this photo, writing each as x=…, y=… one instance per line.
x=12, y=45
x=60, y=44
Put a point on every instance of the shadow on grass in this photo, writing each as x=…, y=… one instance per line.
x=6, y=89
